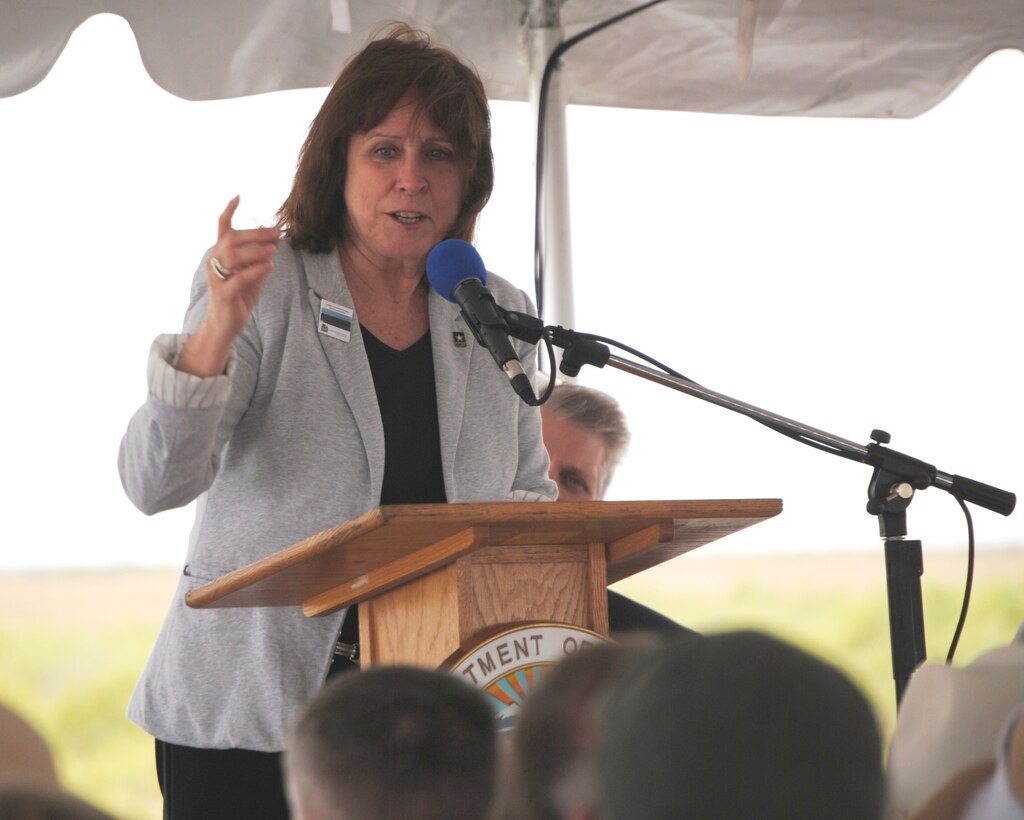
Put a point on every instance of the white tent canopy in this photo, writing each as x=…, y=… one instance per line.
x=875, y=58
x=839, y=58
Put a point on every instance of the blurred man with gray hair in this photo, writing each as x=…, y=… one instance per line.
x=586, y=436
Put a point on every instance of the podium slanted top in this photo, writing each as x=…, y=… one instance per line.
x=390, y=545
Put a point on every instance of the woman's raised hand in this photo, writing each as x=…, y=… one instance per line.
x=235, y=272
x=245, y=258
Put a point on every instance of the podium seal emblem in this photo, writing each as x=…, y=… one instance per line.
x=509, y=665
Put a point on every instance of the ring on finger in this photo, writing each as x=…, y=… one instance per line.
x=218, y=268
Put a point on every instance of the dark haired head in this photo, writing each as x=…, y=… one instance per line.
x=394, y=741
x=739, y=724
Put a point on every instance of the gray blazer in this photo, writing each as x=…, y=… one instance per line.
x=288, y=443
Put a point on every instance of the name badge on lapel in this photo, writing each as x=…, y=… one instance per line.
x=335, y=320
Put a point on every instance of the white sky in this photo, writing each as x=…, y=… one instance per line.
x=848, y=274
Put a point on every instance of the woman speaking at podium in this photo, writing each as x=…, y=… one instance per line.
x=318, y=376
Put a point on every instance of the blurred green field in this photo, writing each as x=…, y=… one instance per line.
x=73, y=644
x=836, y=607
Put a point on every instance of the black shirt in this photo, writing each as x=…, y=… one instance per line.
x=407, y=397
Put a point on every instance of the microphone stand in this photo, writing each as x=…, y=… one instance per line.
x=895, y=479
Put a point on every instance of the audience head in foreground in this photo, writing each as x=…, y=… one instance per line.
x=392, y=743
x=737, y=725
x=32, y=801
x=29, y=786
x=586, y=437
x=550, y=773
x=25, y=756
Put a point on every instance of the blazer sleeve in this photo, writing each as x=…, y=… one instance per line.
x=171, y=450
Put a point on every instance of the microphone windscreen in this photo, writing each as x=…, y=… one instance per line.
x=452, y=262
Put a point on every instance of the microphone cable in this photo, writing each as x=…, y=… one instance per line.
x=970, y=580
x=552, y=332
x=542, y=104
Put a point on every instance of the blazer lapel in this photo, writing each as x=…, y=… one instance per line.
x=347, y=359
x=453, y=349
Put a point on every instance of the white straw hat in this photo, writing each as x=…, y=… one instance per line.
x=948, y=726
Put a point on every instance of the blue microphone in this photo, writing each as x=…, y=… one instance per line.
x=456, y=271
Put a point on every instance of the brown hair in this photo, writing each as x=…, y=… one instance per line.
x=398, y=61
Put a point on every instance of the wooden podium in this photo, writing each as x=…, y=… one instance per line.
x=432, y=579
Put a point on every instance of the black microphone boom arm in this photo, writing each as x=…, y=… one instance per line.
x=984, y=495
x=895, y=479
